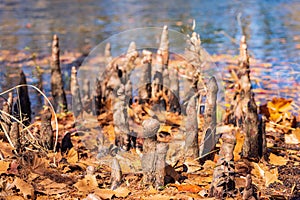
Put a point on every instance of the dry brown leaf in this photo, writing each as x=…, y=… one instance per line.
x=3, y=166
x=25, y=188
x=278, y=107
x=192, y=165
x=50, y=187
x=293, y=138
x=239, y=145
x=6, y=149
x=202, y=180
x=121, y=192
x=104, y=193
x=187, y=188
x=72, y=156
x=277, y=160
x=88, y=184
x=271, y=177
x=14, y=198
x=110, y=132
x=158, y=196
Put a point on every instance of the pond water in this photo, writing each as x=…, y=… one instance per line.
x=272, y=27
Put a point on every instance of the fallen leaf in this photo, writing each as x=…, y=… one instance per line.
x=239, y=145
x=3, y=166
x=158, y=196
x=88, y=184
x=25, y=188
x=293, y=138
x=104, y=193
x=277, y=160
x=271, y=177
x=50, y=187
x=72, y=156
x=6, y=149
x=122, y=192
x=188, y=188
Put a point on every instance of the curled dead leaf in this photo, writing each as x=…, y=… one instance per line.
x=25, y=188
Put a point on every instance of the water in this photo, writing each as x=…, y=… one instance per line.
x=272, y=27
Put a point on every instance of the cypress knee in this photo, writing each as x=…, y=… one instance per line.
x=76, y=98
x=150, y=129
x=46, y=129
x=209, y=139
x=191, y=126
x=57, y=86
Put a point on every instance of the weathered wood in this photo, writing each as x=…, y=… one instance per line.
x=120, y=118
x=209, y=138
x=160, y=168
x=164, y=46
x=97, y=98
x=248, y=193
x=107, y=53
x=76, y=98
x=57, y=85
x=157, y=83
x=223, y=183
x=46, y=132
x=174, y=97
x=150, y=129
x=14, y=135
x=116, y=174
x=128, y=92
x=248, y=106
x=22, y=109
x=145, y=82
x=191, y=127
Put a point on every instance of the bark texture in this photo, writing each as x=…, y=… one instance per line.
x=223, y=183
x=209, y=139
x=46, y=129
x=76, y=98
x=120, y=117
x=57, y=85
x=22, y=109
x=191, y=126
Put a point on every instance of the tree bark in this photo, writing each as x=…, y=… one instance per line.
x=191, y=126
x=223, y=183
x=150, y=129
x=249, y=109
x=57, y=86
x=209, y=138
x=116, y=174
x=120, y=117
x=46, y=129
x=23, y=103
x=164, y=46
x=145, y=84
x=76, y=98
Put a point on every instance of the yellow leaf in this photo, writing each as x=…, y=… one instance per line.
x=277, y=160
x=271, y=177
x=293, y=138
x=72, y=156
x=3, y=166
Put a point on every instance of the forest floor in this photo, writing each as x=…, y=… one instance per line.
x=84, y=172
